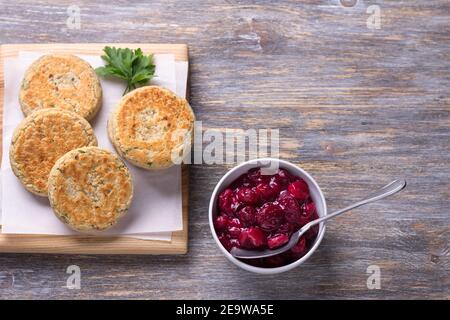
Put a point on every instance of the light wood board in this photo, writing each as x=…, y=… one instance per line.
x=92, y=244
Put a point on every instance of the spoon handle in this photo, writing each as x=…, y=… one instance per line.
x=388, y=190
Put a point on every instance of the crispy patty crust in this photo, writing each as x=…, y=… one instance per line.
x=61, y=81
x=41, y=139
x=152, y=127
x=90, y=189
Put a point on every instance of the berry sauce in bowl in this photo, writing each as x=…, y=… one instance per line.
x=257, y=208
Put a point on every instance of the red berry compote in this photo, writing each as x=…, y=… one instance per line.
x=258, y=211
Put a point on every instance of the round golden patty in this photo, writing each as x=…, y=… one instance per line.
x=41, y=139
x=152, y=127
x=61, y=81
x=90, y=189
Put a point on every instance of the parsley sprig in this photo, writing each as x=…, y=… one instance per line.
x=130, y=65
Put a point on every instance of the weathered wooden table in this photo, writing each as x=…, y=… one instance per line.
x=357, y=103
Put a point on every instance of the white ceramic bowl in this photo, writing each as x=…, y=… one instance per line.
x=230, y=176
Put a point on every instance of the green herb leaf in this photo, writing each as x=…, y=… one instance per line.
x=130, y=65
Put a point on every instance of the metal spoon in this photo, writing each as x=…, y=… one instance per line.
x=389, y=189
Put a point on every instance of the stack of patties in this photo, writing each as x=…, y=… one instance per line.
x=54, y=150
x=91, y=188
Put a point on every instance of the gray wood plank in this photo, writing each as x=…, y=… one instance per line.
x=355, y=107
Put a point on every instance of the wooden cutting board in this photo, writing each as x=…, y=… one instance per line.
x=91, y=244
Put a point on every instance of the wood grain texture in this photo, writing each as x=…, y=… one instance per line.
x=89, y=244
x=355, y=107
